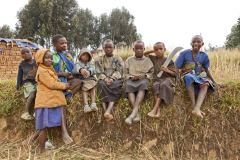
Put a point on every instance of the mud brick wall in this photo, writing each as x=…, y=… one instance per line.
x=10, y=58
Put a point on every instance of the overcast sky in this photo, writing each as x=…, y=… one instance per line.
x=171, y=21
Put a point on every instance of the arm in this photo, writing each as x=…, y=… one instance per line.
x=206, y=65
x=209, y=74
x=126, y=70
x=51, y=83
x=149, y=74
x=117, y=74
x=92, y=68
x=19, y=77
x=171, y=69
x=99, y=70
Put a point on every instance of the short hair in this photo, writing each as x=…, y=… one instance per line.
x=25, y=49
x=138, y=41
x=197, y=36
x=161, y=43
x=56, y=38
x=107, y=41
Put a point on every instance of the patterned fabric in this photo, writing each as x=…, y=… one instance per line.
x=63, y=62
x=195, y=65
x=195, y=68
x=111, y=67
x=90, y=66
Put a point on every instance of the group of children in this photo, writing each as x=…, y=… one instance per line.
x=58, y=79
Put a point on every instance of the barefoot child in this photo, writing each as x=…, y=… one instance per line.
x=109, y=68
x=85, y=70
x=26, y=79
x=163, y=87
x=138, y=70
x=194, y=65
x=50, y=100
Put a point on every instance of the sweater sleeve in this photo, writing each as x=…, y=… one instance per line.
x=92, y=67
x=19, y=77
x=117, y=74
x=149, y=74
x=99, y=70
x=126, y=70
x=49, y=81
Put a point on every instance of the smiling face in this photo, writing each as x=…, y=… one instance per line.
x=159, y=49
x=139, y=49
x=47, y=59
x=197, y=43
x=108, y=48
x=61, y=44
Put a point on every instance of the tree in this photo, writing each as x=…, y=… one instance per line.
x=119, y=26
x=86, y=31
x=6, y=32
x=42, y=19
x=233, y=39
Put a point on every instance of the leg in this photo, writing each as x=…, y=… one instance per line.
x=93, y=94
x=191, y=94
x=30, y=102
x=93, y=99
x=85, y=97
x=42, y=139
x=155, y=109
x=201, y=95
x=66, y=138
x=108, y=114
x=131, y=98
x=139, y=99
x=104, y=104
x=86, y=107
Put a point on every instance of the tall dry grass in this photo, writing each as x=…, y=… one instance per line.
x=225, y=64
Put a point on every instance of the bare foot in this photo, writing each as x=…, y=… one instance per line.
x=198, y=113
x=129, y=120
x=151, y=114
x=67, y=139
x=108, y=116
x=137, y=118
x=158, y=114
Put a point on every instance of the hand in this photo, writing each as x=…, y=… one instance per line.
x=68, y=86
x=85, y=73
x=66, y=74
x=108, y=81
x=164, y=69
x=135, y=78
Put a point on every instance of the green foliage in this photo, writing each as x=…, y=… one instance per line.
x=42, y=19
x=119, y=26
x=6, y=32
x=233, y=39
x=10, y=99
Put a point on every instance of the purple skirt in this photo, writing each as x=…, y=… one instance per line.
x=48, y=117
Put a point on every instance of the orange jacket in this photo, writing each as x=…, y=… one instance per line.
x=49, y=89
